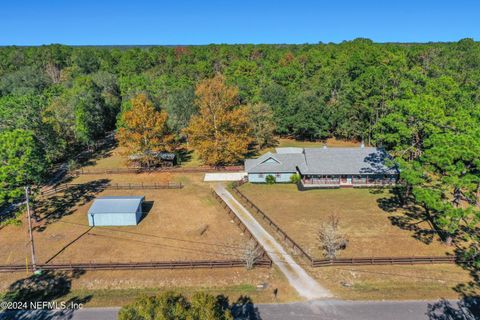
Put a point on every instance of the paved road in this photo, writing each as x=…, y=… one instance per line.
x=298, y=278
x=368, y=310
x=320, y=309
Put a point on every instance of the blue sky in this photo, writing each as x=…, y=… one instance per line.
x=138, y=22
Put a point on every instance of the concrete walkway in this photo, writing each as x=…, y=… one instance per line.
x=298, y=278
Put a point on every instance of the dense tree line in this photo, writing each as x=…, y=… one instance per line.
x=420, y=101
x=314, y=91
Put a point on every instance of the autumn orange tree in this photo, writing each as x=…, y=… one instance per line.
x=144, y=130
x=220, y=133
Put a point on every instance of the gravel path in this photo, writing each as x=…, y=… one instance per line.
x=298, y=278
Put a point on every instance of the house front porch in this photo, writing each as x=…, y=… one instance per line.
x=345, y=181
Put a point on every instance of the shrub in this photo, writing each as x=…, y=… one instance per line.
x=270, y=179
x=295, y=178
x=173, y=306
x=73, y=165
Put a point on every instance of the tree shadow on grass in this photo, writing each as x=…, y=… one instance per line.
x=57, y=206
x=468, y=257
x=468, y=305
x=48, y=286
x=407, y=216
x=102, y=149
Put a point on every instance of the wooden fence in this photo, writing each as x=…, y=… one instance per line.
x=188, y=264
x=283, y=235
x=264, y=255
x=341, y=261
x=159, y=169
x=384, y=261
x=114, y=186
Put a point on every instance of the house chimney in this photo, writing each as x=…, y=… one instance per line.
x=324, y=146
x=362, y=145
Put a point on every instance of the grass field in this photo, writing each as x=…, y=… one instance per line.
x=370, y=233
x=369, y=229
x=406, y=282
x=116, y=157
x=182, y=224
x=331, y=142
x=116, y=288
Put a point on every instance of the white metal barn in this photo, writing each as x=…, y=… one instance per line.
x=115, y=211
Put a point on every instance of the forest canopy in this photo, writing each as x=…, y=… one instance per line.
x=416, y=100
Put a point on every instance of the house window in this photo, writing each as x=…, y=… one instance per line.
x=260, y=175
x=278, y=175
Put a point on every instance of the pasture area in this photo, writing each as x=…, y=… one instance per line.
x=370, y=230
x=405, y=282
x=179, y=224
x=119, y=287
x=330, y=142
x=115, y=158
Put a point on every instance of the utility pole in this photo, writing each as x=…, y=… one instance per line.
x=32, y=244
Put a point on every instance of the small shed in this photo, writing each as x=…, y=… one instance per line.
x=155, y=158
x=115, y=211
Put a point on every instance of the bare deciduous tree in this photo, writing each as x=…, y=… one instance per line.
x=252, y=253
x=330, y=238
x=53, y=71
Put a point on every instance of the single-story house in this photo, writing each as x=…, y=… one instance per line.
x=325, y=167
x=115, y=211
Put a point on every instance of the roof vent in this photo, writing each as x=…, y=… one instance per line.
x=362, y=145
x=325, y=146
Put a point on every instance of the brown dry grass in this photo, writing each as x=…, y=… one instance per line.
x=116, y=158
x=368, y=228
x=406, y=282
x=116, y=288
x=170, y=231
x=331, y=142
x=113, y=158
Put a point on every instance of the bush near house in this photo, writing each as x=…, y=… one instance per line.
x=270, y=179
x=295, y=178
